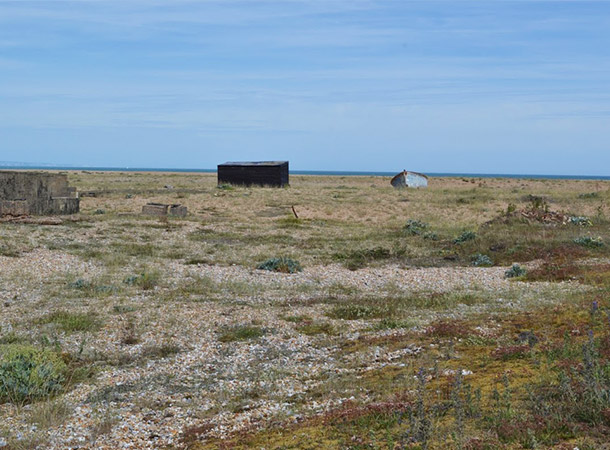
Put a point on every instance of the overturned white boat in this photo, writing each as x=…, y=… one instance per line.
x=409, y=179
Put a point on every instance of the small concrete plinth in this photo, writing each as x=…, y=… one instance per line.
x=161, y=210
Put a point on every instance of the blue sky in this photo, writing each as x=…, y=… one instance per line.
x=486, y=86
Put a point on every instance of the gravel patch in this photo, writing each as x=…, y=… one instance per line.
x=148, y=402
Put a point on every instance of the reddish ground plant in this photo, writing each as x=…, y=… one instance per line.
x=450, y=329
x=510, y=352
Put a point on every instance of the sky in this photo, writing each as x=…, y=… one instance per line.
x=483, y=86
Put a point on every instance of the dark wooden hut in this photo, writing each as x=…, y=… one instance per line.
x=264, y=173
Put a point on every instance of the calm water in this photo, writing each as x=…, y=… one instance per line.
x=318, y=172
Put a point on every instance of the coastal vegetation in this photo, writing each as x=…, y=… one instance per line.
x=474, y=314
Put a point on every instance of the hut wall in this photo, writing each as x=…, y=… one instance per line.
x=265, y=173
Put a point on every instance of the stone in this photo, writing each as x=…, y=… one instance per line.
x=162, y=210
x=36, y=193
x=155, y=209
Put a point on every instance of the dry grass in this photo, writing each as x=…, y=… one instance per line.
x=131, y=292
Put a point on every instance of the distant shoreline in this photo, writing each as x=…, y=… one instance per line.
x=316, y=172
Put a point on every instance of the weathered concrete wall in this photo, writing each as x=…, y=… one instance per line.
x=14, y=208
x=155, y=209
x=177, y=210
x=32, y=185
x=36, y=193
x=160, y=209
x=55, y=205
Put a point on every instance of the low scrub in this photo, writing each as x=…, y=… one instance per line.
x=160, y=351
x=567, y=270
x=450, y=329
x=9, y=250
x=415, y=227
x=355, y=312
x=282, y=265
x=480, y=260
x=581, y=221
x=90, y=287
x=240, y=333
x=515, y=271
x=71, y=322
x=589, y=195
x=511, y=352
x=314, y=328
x=589, y=241
x=357, y=259
x=29, y=373
x=465, y=237
x=145, y=280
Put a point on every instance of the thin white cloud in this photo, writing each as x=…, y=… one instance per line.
x=354, y=72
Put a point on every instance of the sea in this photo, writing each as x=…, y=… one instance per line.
x=307, y=172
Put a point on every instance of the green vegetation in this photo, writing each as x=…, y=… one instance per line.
x=515, y=271
x=312, y=328
x=240, y=333
x=417, y=349
x=581, y=221
x=465, y=237
x=91, y=288
x=282, y=264
x=355, y=312
x=9, y=250
x=415, y=227
x=480, y=260
x=588, y=195
x=589, y=242
x=357, y=259
x=145, y=280
x=71, y=322
x=29, y=373
x=545, y=395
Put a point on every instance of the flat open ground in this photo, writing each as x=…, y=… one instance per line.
x=401, y=330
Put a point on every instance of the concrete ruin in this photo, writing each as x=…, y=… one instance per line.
x=161, y=210
x=36, y=193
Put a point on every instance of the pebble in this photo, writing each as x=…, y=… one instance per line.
x=150, y=405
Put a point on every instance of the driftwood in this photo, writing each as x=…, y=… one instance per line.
x=532, y=215
x=545, y=216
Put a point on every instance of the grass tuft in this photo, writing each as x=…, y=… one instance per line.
x=145, y=280
x=240, y=333
x=355, y=312
x=71, y=322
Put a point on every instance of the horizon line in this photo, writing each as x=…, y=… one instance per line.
x=32, y=166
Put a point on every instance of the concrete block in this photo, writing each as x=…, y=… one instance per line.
x=14, y=208
x=177, y=210
x=43, y=193
x=155, y=209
